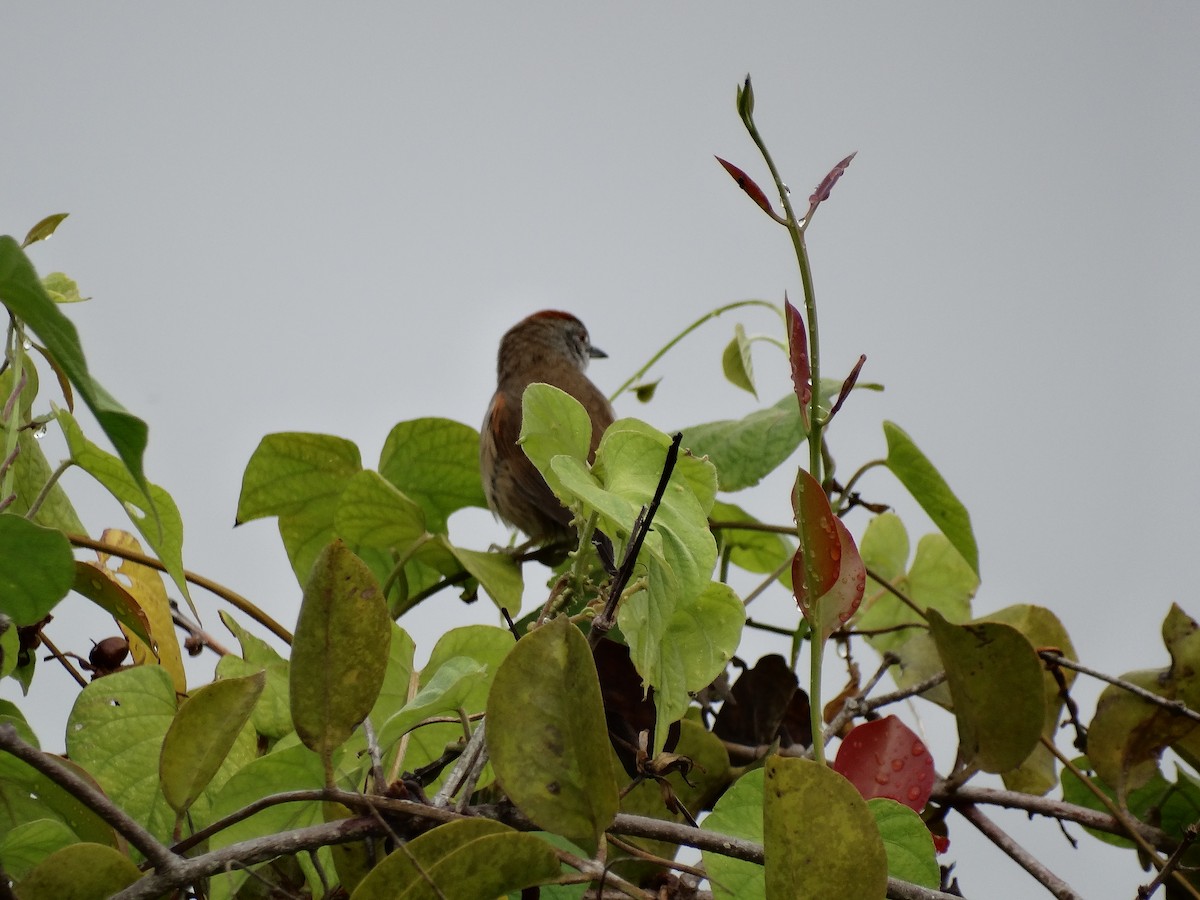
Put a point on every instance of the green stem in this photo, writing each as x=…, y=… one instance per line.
x=814, y=425
x=398, y=568
x=14, y=353
x=44, y=493
x=796, y=232
x=862, y=470
x=637, y=376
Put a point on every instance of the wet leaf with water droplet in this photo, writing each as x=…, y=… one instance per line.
x=885, y=758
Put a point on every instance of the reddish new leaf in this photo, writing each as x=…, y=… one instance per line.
x=820, y=550
x=848, y=385
x=798, y=353
x=823, y=189
x=885, y=759
x=746, y=183
x=840, y=602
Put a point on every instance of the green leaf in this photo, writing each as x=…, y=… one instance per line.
x=62, y=289
x=393, y=694
x=1039, y=773
x=554, y=423
x=938, y=579
x=299, y=478
x=116, y=730
x=846, y=850
x=373, y=513
x=736, y=362
x=10, y=647
x=25, y=297
x=484, y=644
x=28, y=844
x=467, y=858
x=679, y=552
x=202, y=734
x=499, y=574
x=995, y=680
x=547, y=737
x=755, y=551
x=340, y=650
x=906, y=839
x=739, y=813
x=436, y=463
x=43, y=229
x=379, y=524
x=31, y=473
x=745, y=451
x=682, y=653
x=884, y=547
x=79, y=872
x=26, y=795
x=37, y=569
x=291, y=768
x=149, y=507
x=272, y=716
x=929, y=489
x=445, y=692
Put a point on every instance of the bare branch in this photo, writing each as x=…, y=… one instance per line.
x=1019, y=854
x=1176, y=706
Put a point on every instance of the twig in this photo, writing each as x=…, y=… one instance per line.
x=859, y=704
x=247, y=853
x=768, y=581
x=1019, y=854
x=36, y=505
x=234, y=599
x=604, y=621
x=163, y=860
x=466, y=770
x=1189, y=837
x=195, y=632
x=1046, y=806
x=895, y=592
x=62, y=658
x=1177, y=706
x=904, y=890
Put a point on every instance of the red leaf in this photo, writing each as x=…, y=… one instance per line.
x=848, y=385
x=843, y=597
x=820, y=547
x=885, y=759
x=823, y=189
x=746, y=183
x=798, y=353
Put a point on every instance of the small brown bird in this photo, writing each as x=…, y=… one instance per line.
x=550, y=347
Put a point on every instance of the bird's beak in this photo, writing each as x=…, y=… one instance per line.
x=597, y=353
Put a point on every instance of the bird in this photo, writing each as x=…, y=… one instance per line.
x=552, y=347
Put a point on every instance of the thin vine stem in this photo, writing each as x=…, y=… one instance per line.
x=720, y=310
x=234, y=599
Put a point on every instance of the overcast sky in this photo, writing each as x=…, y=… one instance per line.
x=294, y=216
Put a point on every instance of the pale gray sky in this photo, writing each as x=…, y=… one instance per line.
x=295, y=216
